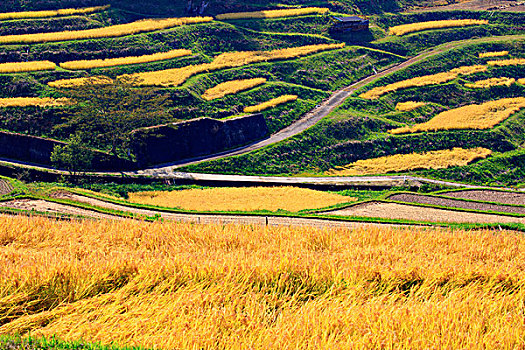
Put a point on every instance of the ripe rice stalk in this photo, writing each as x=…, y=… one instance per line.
x=69, y=83
x=119, y=61
x=177, y=76
x=270, y=104
x=274, y=13
x=241, y=199
x=416, y=27
x=509, y=62
x=34, y=66
x=521, y=81
x=493, y=54
x=170, y=285
x=33, y=101
x=146, y=25
x=487, y=83
x=404, y=162
x=425, y=80
x=51, y=13
x=483, y=116
x=409, y=106
x=231, y=87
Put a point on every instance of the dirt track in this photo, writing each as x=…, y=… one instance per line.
x=479, y=5
x=416, y=213
x=452, y=203
x=489, y=196
x=39, y=205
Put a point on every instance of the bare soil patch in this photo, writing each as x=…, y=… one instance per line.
x=452, y=203
x=416, y=213
x=480, y=5
x=489, y=196
x=5, y=188
x=40, y=205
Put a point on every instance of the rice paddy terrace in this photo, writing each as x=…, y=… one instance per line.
x=202, y=174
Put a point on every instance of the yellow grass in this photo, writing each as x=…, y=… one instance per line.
x=33, y=66
x=110, y=62
x=404, y=162
x=146, y=25
x=483, y=116
x=188, y=286
x=69, y=83
x=521, y=81
x=231, y=87
x=509, y=62
x=425, y=80
x=415, y=27
x=241, y=199
x=273, y=13
x=483, y=84
x=409, y=106
x=51, y=13
x=493, y=54
x=32, y=101
x=177, y=76
x=270, y=104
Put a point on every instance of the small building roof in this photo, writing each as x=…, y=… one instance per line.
x=351, y=19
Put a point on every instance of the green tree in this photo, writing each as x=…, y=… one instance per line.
x=106, y=114
x=73, y=156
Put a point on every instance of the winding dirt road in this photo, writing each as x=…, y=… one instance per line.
x=318, y=113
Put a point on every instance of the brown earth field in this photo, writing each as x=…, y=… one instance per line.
x=5, y=188
x=489, y=196
x=453, y=203
x=480, y=5
x=417, y=213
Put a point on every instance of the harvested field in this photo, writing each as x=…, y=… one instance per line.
x=489, y=196
x=209, y=219
x=416, y=213
x=40, y=205
x=5, y=187
x=453, y=203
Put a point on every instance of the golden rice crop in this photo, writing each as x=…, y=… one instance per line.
x=69, y=83
x=177, y=76
x=483, y=116
x=483, y=84
x=241, y=199
x=270, y=104
x=189, y=286
x=119, y=61
x=509, y=62
x=409, y=106
x=493, y=54
x=33, y=66
x=521, y=81
x=32, y=101
x=273, y=13
x=51, y=13
x=231, y=87
x=404, y=162
x=438, y=78
x=146, y=25
x=416, y=27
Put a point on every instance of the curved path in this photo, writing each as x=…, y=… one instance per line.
x=327, y=106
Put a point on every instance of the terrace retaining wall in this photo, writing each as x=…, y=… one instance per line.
x=195, y=138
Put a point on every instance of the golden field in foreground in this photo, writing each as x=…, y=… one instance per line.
x=168, y=285
x=241, y=199
x=402, y=162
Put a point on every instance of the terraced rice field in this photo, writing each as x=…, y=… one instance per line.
x=417, y=213
x=489, y=196
x=453, y=203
